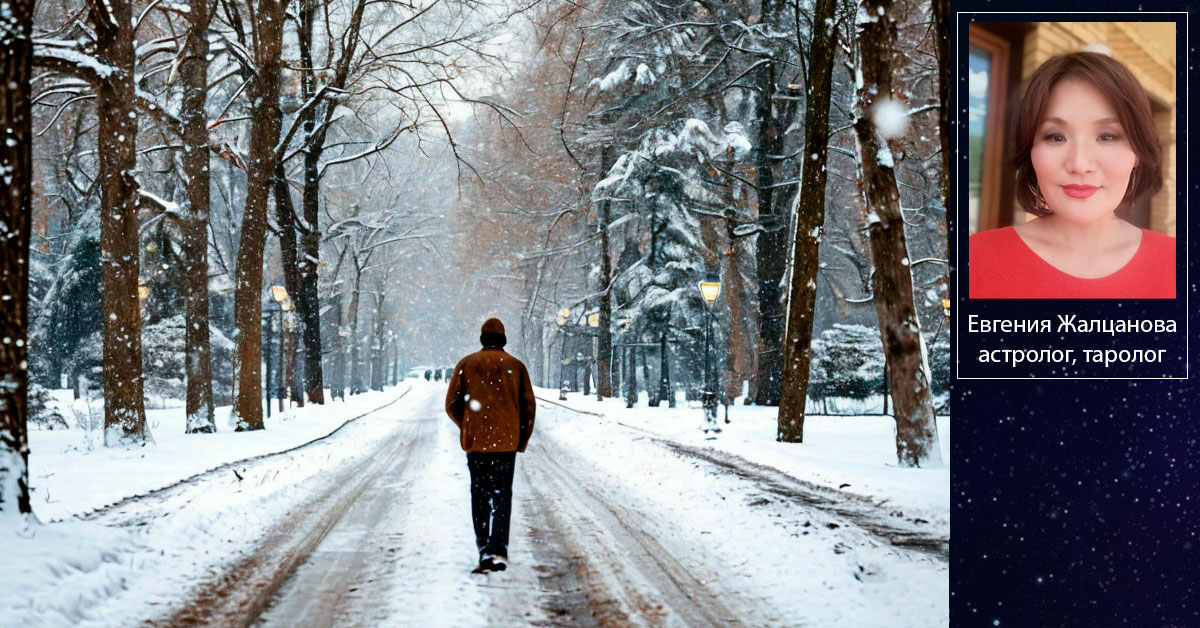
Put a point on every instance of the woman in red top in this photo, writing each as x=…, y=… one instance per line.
x=1085, y=142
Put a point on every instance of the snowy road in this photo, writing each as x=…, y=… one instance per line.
x=399, y=556
x=384, y=539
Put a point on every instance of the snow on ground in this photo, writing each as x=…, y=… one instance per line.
x=858, y=451
x=787, y=563
x=72, y=472
x=112, y=573
x=418, y=551
x=814, y=568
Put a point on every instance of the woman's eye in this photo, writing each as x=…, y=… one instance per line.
x=1109, y=137
x=1054, y=138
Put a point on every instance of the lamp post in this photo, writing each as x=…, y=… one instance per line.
x=286, y=307
x=593, y=321
x=710, y=289
x=561, y=319
x=280, y=295
x=266, y=351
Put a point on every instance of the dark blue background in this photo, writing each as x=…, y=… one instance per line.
x=1077, y=503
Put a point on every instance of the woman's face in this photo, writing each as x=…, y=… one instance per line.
x=1081, y=154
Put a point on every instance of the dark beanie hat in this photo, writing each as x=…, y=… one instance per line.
x=493, y=326
x=492, y=333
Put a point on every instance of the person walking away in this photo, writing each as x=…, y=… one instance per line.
x=490, y=399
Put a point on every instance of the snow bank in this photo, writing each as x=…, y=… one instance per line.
x=854, y=454
x=808, y=565
x=54, y=574
x=121, y=569
x=71, y=472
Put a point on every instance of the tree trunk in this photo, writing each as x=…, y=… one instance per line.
x=338, y=386
x=287, y=362
x=941, y=18
x=285, y=218
x=124, y=405
x=797, y=348
x=664, y=373
x=771, y=248
x=377, y=331
x=903, y=347
x=641, y=356
x=587, y=378
x=395, y=363
x=16, y=133
x=630, y=378
x=195, y=160
x=887, y=389
x=615, y=368
x=739, y=355
x=604, y=385
x=308, y=306
x=264, y=134
x=308, y=303
x=355, y=366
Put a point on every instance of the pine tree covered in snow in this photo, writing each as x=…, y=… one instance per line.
x=653, y=192
x=673, y=189
x=68, y=316
x=847, y=362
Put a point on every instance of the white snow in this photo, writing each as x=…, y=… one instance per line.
x=134, y=561
x=52, y=48
x=615, y=78
x=855, y=450
x=884, y=157
x=830, y=580
x=71, y=472
x=644, y=75
x=119, y=573
x=891, y=118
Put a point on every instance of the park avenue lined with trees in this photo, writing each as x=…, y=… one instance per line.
x=221, y=205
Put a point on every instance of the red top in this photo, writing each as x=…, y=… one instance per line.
x=1002, y=266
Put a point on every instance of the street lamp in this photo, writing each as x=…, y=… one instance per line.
x=710, y=289
x=562, y=319
x=280, y=295
x=593, y=321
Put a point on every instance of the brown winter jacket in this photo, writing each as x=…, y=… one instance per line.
x=490, y=399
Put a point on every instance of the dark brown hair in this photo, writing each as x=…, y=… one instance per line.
x=1127, y=96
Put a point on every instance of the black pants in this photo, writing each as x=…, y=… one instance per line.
x=491, y=499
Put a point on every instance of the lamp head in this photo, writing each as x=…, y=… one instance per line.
x=710, y=289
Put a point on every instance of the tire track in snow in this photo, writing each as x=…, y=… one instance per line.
x=610, y=569
x=342, y=576
x=236, y=597
x=904, y=533
x=911, y=534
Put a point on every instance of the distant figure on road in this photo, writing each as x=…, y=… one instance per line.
x=428, y=374
x=490, y=399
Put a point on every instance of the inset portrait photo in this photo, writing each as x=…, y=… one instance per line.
x=1071, y=160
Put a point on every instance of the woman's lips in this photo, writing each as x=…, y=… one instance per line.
x=1079, y=191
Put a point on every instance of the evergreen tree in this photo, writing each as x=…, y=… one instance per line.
x=69, y=317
